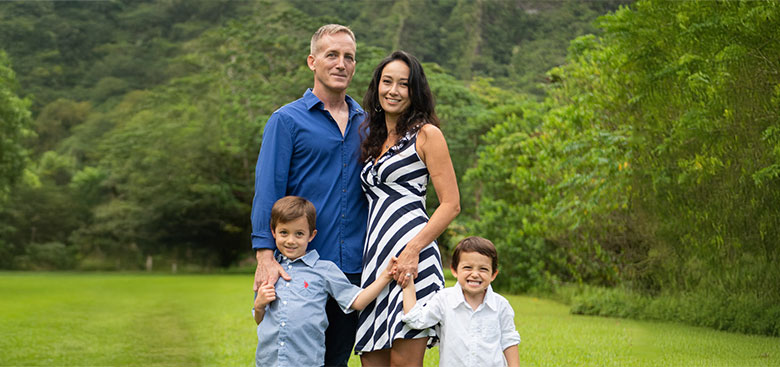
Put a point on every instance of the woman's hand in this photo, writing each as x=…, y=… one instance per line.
x=406, y=265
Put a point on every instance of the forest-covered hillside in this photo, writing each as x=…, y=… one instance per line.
x=146, y=116
x=629, y=146
x=96, y=50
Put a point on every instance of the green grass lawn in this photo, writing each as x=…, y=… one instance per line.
x=70, y=319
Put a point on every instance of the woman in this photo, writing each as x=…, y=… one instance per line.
x=402, y=149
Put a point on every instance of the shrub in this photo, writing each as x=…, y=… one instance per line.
x=735, y=312
x=48, y=256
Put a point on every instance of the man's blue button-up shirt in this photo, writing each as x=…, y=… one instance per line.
x=304, y=154
x=293, y=329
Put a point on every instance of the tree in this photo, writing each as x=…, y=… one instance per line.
x=14, y=127
x=179, y=161
x=654, y=164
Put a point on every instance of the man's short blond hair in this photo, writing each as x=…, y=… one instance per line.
x=329, y=29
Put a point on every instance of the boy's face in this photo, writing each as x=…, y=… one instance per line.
x=293, y=237
x=474, y=273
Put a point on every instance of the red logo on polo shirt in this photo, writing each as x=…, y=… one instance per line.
x=305, y=284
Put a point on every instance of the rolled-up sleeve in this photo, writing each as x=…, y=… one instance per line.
x=427, y=315
x=271, y=175
x=509, y=334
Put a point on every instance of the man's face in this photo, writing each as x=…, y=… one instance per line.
x=334, y=62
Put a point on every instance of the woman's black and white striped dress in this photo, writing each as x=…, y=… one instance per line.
x=395, y=187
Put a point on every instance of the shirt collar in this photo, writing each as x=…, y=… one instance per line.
x=310, y=258
x=489, y=300
x=312, y=100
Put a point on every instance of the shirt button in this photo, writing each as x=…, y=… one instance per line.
x=283, y=323
x=281, y=343
x=284, y=302
x=289, y=266
x=343, y=215
x=287, y=284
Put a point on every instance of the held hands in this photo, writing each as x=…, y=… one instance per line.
x=392, y=272
x=390, y=269
x=406, y=267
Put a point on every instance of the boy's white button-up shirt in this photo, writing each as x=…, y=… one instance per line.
x=468, y=337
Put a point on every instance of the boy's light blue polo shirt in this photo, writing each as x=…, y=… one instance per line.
x=293, y=329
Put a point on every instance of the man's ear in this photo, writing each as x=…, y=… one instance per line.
x=495, y=274
x=313, y=233
x=273, y=231
x=454, y=272
x=310, y=61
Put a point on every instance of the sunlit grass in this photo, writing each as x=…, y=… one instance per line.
x=121, y=320
x=553, y=337
x=68, y=319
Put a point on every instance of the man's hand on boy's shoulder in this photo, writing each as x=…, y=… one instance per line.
x=268, y=269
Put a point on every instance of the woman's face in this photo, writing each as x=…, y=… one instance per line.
x=394, y=89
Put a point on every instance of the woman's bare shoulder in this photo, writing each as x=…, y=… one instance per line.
x=429, y=132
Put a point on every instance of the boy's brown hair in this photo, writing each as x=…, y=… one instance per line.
x=290, y=208
x=475, y=244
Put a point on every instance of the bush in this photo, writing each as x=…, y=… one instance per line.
x=6, y=255
x=98, y=263
x=47, y=256
x=735, y=312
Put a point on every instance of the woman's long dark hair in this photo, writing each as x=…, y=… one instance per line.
x=421, y=109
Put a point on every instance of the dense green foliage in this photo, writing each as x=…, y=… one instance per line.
x=645, y=156
x=92, y=51
x=14, y=125
x=512, y=42
x=743, y=312
x=148, y=115
x=654, y=165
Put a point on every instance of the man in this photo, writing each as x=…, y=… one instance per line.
x=311, y=149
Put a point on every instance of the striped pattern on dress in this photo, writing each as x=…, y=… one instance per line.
x=395, y=188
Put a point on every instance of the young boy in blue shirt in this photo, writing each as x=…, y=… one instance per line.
x=477, y=325
x=291, y=314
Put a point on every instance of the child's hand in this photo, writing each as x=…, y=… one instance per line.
x=265, y=295
x=391, y=268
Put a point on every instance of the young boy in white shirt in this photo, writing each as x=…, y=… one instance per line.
x=291, y=314
x=477, y=325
